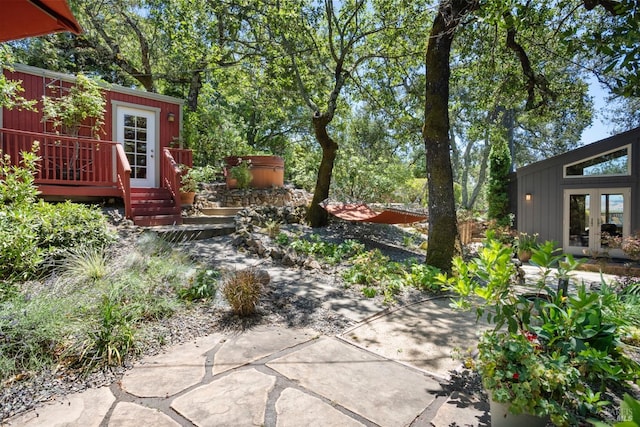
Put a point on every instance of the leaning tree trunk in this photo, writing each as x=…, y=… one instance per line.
x=318, y=217
x=443, y=228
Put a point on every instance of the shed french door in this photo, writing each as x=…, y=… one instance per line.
x=136, y=131
x=592, y=217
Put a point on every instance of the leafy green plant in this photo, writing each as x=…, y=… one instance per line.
x=282, y=239
x=65, y=225
x=374, y=270
x=112, y=337
x=242, y=173
x=188, y=180
x=422, y=276
x=273, y=228
x=202, y=285
x=84, y=100
x=558, y=351
x=525, y=241
x=20, y=255
x=330, y=252
x=204, y=174
x=17, y=180
x=242, y=289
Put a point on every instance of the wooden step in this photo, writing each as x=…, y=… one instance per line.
x=221, y=211
x=182, y=233
x=150, y=209
x=209, y=219
x=155, y=220
x=153, y=207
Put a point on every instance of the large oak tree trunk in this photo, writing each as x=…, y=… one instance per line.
x=317, y=216
x=443, y=228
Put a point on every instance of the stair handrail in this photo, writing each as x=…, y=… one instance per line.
x=171, y=173
x=123, y=173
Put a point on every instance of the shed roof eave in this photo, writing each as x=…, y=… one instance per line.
x=603, y=145
x=108, y=86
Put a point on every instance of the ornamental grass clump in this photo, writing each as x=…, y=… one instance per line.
x=550, y=353
x=243, y=288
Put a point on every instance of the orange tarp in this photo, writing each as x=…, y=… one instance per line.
x=363, y=213
x=29, y=18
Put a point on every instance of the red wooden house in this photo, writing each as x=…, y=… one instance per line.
x=135, y=157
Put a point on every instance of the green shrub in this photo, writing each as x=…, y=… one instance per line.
x=17, y=181
x=20, y=254
x=330, y=252
x=202, y=285
x=203, y=173
x=67, y=225
x=242, y=290
x=373, y=270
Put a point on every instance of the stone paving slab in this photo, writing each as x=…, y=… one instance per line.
x=166, y=374
x=127, y=414
x=463, y=411
x=87, y=409
x=295, y=408
x=237, y=399
x=422, y=335
x=257, y=343
x=380, y=390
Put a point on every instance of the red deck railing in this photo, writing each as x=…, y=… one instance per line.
x=71, y=166
x=73, y=162
x=170, y=172
x=182, y=156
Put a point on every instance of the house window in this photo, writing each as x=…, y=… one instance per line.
x=611, y=163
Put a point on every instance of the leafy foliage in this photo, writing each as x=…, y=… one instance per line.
x=379, y=275
x=498, y=188
x=32, y=231
x=330, y=252
x=202, y=285
x=558, y=352
x=68, y=111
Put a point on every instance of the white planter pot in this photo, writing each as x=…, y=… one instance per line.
x=501, y=417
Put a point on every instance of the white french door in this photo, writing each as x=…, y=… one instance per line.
x=592, y=216
x=136, y=131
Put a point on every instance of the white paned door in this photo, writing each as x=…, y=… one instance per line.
x=136, y=131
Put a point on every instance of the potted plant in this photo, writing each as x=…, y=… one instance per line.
x=188, y=185
x=241, y=174
x=548, y=354
x=524, y=244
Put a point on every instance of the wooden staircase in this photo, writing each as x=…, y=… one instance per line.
x=154, y=206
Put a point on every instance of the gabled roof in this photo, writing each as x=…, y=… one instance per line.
x=28, y=69
x=629, y=137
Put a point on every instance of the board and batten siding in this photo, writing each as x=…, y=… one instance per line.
x=546, y=183
x=34, y=81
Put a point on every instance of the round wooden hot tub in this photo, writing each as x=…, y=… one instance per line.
x=266, y=171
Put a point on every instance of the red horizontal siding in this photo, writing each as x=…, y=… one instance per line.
x=35, y=86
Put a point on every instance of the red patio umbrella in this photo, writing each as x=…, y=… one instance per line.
x=30, y=18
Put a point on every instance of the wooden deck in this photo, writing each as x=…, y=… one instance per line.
x=79, y=167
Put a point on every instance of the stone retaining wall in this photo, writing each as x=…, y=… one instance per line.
x=217, y=194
